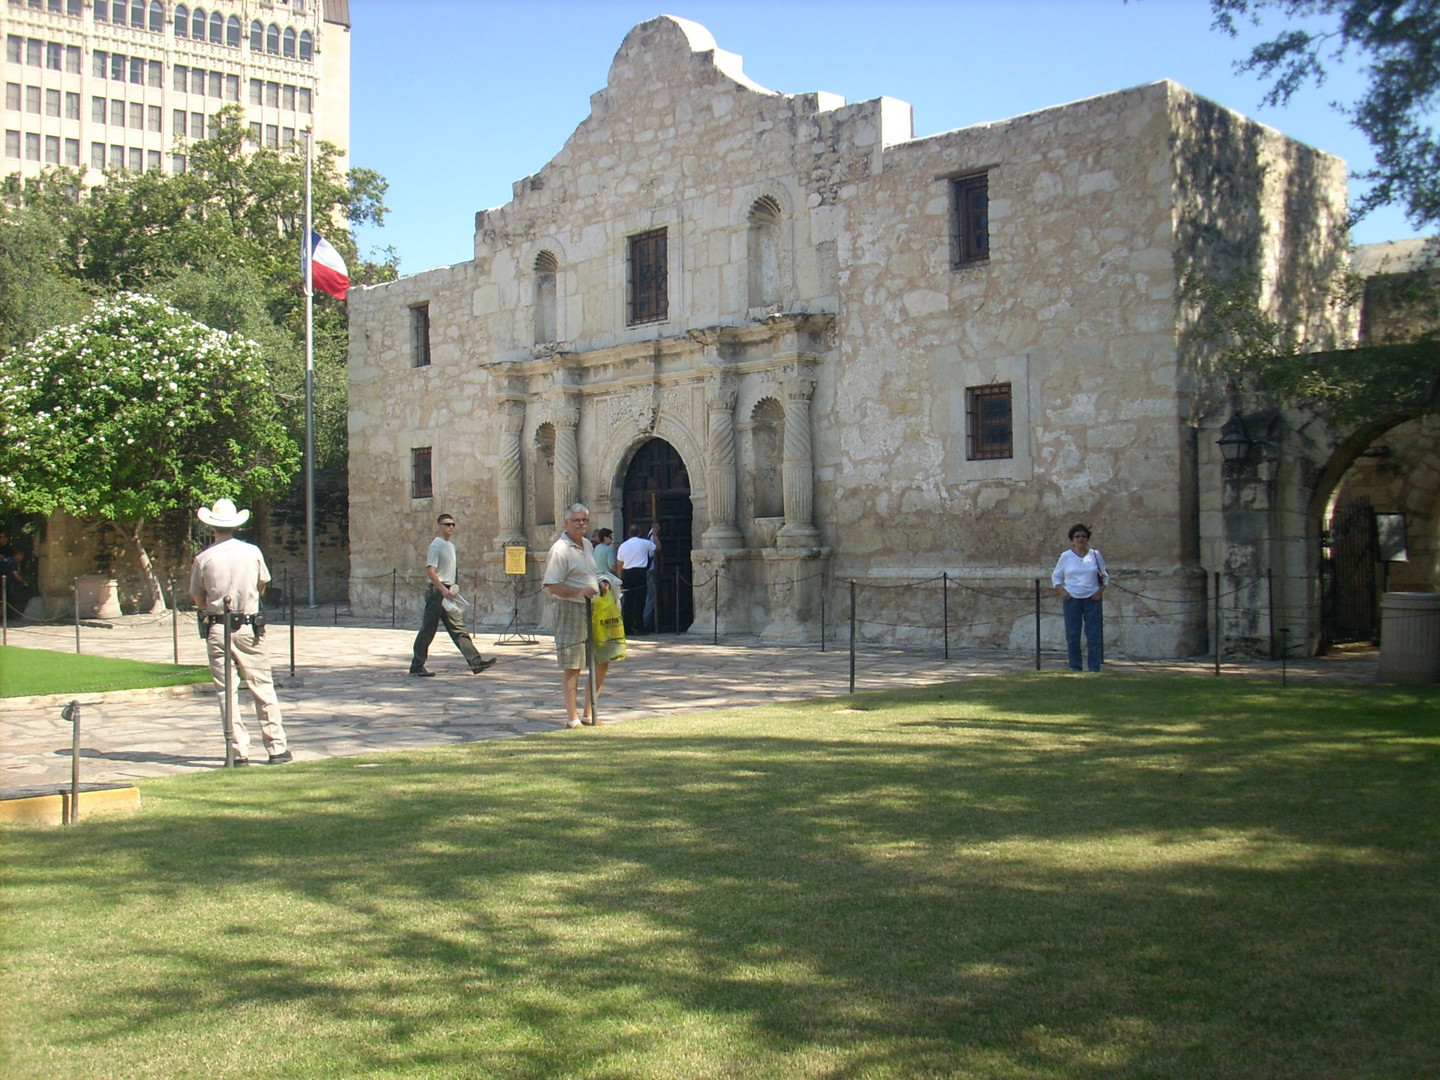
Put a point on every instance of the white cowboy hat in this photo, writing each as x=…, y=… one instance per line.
x=223, y=515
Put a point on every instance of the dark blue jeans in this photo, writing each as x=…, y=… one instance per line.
x=1086, y=613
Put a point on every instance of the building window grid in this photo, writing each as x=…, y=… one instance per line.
x=420, y=335
x=422, y=477
x=649, y=279
x=969, y=220
x=989, y=427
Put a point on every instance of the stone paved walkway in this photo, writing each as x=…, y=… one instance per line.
x=350, y=693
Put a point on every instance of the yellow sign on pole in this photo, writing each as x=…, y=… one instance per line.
x=515, y=559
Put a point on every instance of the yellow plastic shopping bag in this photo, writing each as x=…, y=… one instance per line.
x=607, y=628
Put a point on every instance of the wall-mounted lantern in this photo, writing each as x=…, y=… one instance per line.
x=1244, y=440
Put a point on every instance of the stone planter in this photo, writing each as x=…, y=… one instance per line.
x=1409, y=637
x=97, y=597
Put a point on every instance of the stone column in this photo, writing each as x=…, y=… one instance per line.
x=798, y=466
x=720, y=479
x=566, y=418
x=509, y=490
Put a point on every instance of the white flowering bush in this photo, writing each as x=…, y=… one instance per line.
x=135, y=411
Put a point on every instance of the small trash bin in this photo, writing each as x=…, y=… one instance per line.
x=97, y=597
x=1409, y=637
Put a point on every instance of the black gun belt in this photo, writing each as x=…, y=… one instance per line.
x=245, y=620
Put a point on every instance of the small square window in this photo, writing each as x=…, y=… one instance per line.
x=420, y=335
x=422, y=483
x=989, y=430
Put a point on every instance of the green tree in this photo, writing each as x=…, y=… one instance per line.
x=134, y=412
x=35, y=292
x=222, y=242
x=1399, y=42
x=1349, y=387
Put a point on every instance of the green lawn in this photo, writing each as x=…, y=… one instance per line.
x=1039, y=876
x=30, y=672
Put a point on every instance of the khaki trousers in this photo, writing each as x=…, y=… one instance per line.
x=251, y=664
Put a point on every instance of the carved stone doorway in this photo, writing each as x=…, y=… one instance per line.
x=657, y=489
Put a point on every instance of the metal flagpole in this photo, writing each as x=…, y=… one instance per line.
x=309, y=371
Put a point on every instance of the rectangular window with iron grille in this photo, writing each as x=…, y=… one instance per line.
x=420, y=335
x=989, y=431
x=422, y=484
x=649, y=280
x=969, y=220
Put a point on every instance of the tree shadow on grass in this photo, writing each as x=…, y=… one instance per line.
x=994, y=886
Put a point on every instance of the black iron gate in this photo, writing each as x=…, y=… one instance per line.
x=1348, y=564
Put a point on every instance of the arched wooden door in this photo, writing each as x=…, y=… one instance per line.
x=657, y=489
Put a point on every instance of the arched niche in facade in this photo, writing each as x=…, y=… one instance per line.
x=547, y=271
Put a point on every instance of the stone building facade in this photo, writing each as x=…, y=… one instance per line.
x=819, y=350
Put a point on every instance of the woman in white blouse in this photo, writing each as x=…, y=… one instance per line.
x=1080, y=578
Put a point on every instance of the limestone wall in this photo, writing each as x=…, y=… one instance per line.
x=812, y=366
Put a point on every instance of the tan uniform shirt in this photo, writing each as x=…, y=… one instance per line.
x=232, y=568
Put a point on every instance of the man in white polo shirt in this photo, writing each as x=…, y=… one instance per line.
x=633, y=563
x=570, y=578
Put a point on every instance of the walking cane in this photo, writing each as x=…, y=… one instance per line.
x=590, y=659
x=226, y=720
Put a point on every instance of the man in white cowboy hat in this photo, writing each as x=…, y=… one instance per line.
x=234, y=570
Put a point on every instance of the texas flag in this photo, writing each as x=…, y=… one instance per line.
x=328, y=268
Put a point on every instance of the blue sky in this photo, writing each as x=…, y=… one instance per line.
x=454, y=100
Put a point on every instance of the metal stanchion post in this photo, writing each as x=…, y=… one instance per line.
x=227, y=722
x=852, y=637
x=292, y=625
x=1219, y=637
x=715, y=615
x=590, y=659
x=1270, y=605
x=71, y=712
x=945, y=608
x=1037, y=624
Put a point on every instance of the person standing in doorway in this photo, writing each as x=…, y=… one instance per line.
x=633, y=562
x=1080, y=578
x=570, y=579
x=604, y=552
x=440, y=563
x=230, y=569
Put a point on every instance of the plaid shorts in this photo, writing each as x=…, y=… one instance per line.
x=571, y=631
